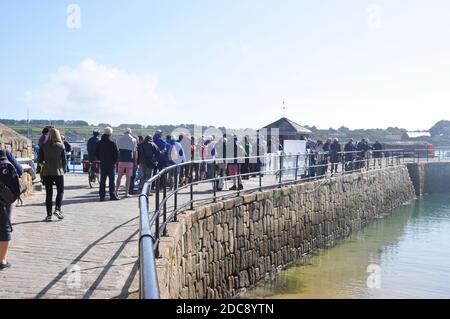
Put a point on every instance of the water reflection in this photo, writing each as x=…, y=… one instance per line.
x=411, y=246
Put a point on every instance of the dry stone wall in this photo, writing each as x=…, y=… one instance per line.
x=20, y=146
x=220, y=248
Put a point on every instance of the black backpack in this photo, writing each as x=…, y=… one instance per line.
x=9, y=183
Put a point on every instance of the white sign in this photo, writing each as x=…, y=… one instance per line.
x=294, y=150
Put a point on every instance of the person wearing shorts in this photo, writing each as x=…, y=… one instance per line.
x=127, y=145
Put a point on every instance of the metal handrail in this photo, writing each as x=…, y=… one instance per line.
x=152, y=228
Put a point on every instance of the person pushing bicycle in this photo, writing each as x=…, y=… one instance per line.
x=94, y=164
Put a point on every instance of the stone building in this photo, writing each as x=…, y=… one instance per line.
x=287, y=130
x=18, y=144
x=21, y=147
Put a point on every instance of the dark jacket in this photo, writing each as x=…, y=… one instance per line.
x=107, y=152
x=67, y=147
x=53, y=156
x=91, y=146
x=363, y=148
x=349, y=147
x=9, y=178
x=377, y=147
x=149, y=153
x=326, y=147
x=335, y=149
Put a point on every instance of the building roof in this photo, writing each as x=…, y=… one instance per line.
x=285, y=125
x=417, y=134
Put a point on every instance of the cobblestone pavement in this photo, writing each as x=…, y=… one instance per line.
x=92, y=253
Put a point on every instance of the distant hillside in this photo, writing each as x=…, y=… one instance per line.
x=441, y=129
x=79, y=130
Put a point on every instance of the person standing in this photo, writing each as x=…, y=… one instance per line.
x=377, y=149
x=148, y=160
x=7, y=159
x=163, y=146
x=234, y=166
x=107, y=153
x=185, y=141
x=320, y=159
x=312, y=160
x=175, y=155
x=326, y=151
x=221, y=155
x=44, y=136
x=139, y=140
x=349, y=155
x=42, y=140
x=247, y=153
x=68, y=150
x=127, y=145
x=335, y=150
x=363, y=148
x=53, y=156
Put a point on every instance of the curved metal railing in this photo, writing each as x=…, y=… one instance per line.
x=287, y=170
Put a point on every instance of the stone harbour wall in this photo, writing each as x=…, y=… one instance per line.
x=430, y=178
x=218, y=249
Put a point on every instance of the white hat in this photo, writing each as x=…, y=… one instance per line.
x=108, y=131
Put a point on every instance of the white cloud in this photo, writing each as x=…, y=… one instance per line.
x=99, y=93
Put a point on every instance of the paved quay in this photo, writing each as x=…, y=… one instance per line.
x=92, y=253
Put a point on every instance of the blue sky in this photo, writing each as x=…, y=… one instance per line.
x=230, y=63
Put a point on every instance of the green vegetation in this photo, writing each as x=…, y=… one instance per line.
x=76, y=132
x=79, y=130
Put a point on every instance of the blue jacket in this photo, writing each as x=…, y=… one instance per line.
x=91, y=146
x=13, y=161
x=163, y=148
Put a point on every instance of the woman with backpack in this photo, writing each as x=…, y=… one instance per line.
x=53, y=155
x=9, y=180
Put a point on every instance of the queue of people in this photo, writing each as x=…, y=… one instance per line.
x=328, y=155
x=139, y=158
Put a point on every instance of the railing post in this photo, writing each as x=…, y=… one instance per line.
x=157, y=203
x=258, y=159
x=215, y=181
x=260, y=174
x=239, y=179
x=191, y=179
x=175, y=196
x=164, y=186
x=296, y=168
x=281, y=171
